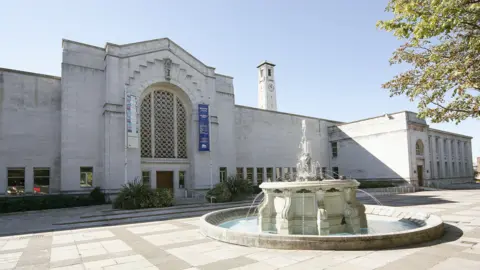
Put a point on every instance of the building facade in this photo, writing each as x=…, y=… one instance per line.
x=135, y=111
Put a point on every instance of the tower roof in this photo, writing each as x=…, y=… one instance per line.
x=265, y=63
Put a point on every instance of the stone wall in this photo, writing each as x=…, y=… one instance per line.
x=271, y=139
x=82, y=122
x=373, y=149
x=29, y=125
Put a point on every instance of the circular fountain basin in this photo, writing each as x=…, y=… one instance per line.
x=388, y=227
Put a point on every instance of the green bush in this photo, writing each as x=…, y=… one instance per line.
x=136, y=195
x=233, y=189
x=375, y=184
x=256, y=189
x=54, y=201
x=98, y=196
x=220, y=193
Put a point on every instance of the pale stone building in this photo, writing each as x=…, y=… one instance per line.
x=69, y=133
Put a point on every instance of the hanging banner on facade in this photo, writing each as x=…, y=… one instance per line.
x=203, y=128
x=132, y=128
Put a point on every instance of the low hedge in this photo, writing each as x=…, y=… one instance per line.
x=375, y=184
x=42, y=202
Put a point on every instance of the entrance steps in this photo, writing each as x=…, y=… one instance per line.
x=111, y=217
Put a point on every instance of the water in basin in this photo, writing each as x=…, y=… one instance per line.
x=376, y=225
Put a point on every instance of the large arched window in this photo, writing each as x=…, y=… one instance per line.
x=163, y=126
x=419, y=148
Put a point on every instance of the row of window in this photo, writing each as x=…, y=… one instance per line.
x=280, y=173
x=445, y=171
x=462, y=147
x=41, y=180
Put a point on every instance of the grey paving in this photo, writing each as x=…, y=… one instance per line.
x=176, y=244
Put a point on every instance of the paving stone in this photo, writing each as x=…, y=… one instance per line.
x=227, y=264
x=456, y=263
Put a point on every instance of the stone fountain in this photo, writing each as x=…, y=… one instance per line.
x=311, y=204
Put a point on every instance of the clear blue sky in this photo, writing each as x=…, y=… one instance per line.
x=331, y=60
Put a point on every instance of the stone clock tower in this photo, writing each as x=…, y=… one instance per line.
x=267, y=92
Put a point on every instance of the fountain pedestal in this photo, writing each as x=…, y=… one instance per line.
x=311, y=207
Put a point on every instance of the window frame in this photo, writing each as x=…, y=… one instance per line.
x=259, y=172
x=86, y=180
x=182, y=179
x=222, y=174
x=271, y=173
x=334, y=146
x=239, y=173
x=148, y=182
x=41, y=177
x=337, y=173
x=15, y=177
x=419, y=148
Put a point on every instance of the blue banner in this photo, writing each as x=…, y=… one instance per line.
x=203, y=128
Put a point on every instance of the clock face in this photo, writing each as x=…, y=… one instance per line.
x=270, y=87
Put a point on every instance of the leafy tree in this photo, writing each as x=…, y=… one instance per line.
x=443, y=48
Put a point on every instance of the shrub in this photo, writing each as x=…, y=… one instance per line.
x=97, y=195
x=256, y=189
x=220, y=193
x=232, y=189
x=136, y=195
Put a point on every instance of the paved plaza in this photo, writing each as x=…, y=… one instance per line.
x=177, y=244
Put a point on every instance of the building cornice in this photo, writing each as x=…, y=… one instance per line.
x=30, y=73
x=291, y=114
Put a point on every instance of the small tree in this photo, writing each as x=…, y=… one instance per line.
x=443, y=48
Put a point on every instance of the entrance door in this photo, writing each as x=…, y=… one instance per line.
x=165, y=179
x=420, y=175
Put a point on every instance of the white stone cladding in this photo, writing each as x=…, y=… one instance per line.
x=78, y=120
x=29, y=125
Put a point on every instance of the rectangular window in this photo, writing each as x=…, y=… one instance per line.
x=278, y=173
x=453, y=169
x=250, y=174
x=294, y=171
x=451, y=149
x=223, y=174
x=269, y=174
x=269, y=72
x=445, y=148
x=460, y=168
x=261, y=73
x=335, y=172
x=446, y=170
x=41, y=180
x=334, y=149
x=467, y=172
x=181, y=179
x=438, y=169
x=16, y=181
x=324, y=172
x=86, y=176
x=459, y=151
x=239, y=173
x=259, y=176
x=146, y=178
x=286, y=173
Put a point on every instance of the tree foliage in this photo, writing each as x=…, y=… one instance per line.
x=443, y=48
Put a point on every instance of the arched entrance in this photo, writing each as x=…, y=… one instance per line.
x=165, y=114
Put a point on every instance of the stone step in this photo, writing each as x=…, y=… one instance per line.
x=112, y=212
x=140, y=216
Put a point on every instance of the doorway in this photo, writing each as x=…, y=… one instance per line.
x=420, y=175
x=165, y=179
